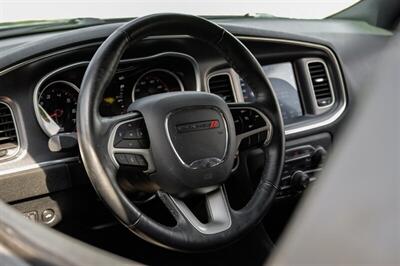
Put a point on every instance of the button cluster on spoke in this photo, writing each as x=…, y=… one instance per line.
x=131, y=159
x=132, y=135
x=252, y=128
x=247, y=120
x=129, y=145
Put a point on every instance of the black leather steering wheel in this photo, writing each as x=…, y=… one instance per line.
x=184, y=143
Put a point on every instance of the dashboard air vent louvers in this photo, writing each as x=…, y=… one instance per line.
x=8, y=133
x=221, y=85
x=321, y=84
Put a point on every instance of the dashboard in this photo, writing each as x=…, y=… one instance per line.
x=313, y=75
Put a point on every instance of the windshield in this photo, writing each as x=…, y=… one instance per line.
x=18, y=10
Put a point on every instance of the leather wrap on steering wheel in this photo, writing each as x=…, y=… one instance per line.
x=94, y=132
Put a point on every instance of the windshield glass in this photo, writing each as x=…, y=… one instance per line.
x=23, y=11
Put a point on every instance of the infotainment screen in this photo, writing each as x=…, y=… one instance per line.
x=284, y=84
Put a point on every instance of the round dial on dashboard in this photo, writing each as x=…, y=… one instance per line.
x=57, y=104
x=154, y=82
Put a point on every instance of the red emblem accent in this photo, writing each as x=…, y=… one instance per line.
x=214, y=124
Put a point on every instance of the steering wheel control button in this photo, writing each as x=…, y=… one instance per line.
x=136, y=160
x=137, y=133
x=128, y=159
x=131, y=159
x=129, y=144
x=247, y=120
x=121, y=159
x=131, y=135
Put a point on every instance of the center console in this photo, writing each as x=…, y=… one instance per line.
x=304, y=161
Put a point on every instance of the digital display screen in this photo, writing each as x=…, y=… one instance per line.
x=284, y=84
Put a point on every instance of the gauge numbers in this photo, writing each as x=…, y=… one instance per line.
x=154, y=82
x=58, y=105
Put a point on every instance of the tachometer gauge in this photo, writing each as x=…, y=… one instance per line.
x=156, y=81
x=57, y=104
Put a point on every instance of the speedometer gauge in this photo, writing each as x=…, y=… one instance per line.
x=57, y=107
x=154, y=82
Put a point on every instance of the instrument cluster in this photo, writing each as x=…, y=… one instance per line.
x=56, y=95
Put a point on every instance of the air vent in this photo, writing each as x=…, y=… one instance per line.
x=8, y=133
x=221, y=85
x=321, y=83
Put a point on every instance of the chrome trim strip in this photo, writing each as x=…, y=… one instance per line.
x=332, y=56
x=37, y=165
x=217, y=209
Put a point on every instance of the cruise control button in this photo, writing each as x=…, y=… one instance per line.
x=129, y=144
x=136, y=133
x=141, y=161
x=133, y=130
x=121, y=159
x=136, y=160
x=131, y=158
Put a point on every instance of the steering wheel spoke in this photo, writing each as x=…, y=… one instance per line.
x=253, y=128
x=128, y=143
x=217, y=208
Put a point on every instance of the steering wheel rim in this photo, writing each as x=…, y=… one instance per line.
x=94, y=134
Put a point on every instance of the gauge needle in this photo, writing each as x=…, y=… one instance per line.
x=56, y=114
x=48, y=122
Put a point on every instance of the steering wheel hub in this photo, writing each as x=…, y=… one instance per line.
x=192, y=139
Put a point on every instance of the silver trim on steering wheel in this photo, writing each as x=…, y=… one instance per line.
x=217, y=209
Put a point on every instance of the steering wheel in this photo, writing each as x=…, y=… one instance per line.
x=180, y=143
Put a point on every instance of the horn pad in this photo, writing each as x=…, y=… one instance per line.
x=192, y=140
x=198, y=136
